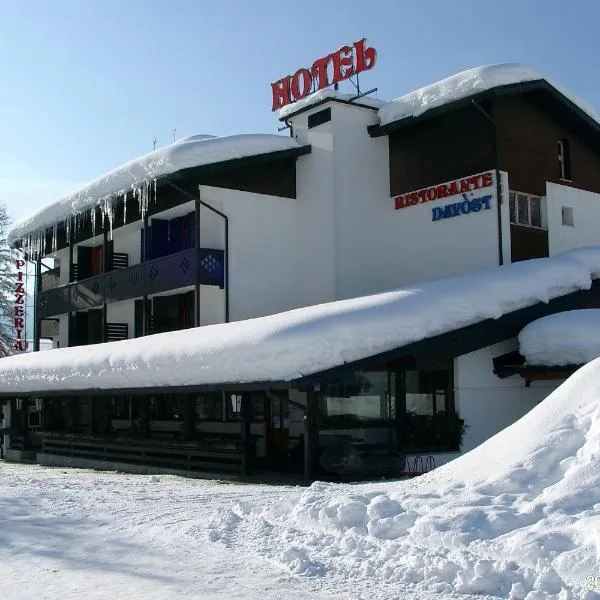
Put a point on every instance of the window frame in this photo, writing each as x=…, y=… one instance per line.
x=513, y=208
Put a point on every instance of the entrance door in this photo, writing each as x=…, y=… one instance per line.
x=277, y=422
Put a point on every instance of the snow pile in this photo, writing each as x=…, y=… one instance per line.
x=516, y=518
x=567, y=338
x=288, y=345
x=465, y=84
x=139, y=175
x=326, y=94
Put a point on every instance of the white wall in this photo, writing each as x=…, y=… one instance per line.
x=487, y=403
x=265, y=243
x=127, y=240
x=122, y=312
x=586, y=216
x=375, y=246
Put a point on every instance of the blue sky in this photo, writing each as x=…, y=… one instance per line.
x=87, y=85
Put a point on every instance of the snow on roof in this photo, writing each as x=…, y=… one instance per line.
x=568, y=338
x=289, y=345
x=192, y=151
x=517, y=517
x=324, y=94
x=465, y=84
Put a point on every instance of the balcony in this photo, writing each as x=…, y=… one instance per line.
x=158, y=275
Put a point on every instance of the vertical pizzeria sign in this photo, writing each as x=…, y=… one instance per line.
x=19, y=310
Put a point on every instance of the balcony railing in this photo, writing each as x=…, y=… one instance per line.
x=159, y=275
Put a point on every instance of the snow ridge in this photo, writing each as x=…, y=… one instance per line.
x=289, y=345
x=139, y=175
x=516, y=518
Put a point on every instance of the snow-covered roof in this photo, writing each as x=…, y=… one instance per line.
x=328, y=94
x=188, y=152
x=300, y=342
x=469, y=83
x=567, y=338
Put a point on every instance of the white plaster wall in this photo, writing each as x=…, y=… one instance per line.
x=63, y=330
x=63, y=257
x=265, y=242
x=212, y=305
x=586, y=216
x=487, y=403
x=122, y=312
x=375, y=246
x=127, y=240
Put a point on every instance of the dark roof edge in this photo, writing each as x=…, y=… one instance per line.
x=181, y=389
x=225, y=165
x=321, y=102
x=504, y=90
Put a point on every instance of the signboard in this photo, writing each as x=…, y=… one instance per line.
x=453, y=199
x=19, y=309
x=343, y=64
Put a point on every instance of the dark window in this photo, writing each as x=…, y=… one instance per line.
x=209, y=406
x=120, y=407
x=525, y=210
x=564, y=160
x=166, y=407
x=318, y=118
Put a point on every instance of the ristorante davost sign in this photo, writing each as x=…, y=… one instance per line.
x=342, y=64
x=452, y=199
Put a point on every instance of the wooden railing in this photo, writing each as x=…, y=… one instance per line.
x=172, y=456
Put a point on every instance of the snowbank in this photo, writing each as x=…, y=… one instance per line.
x=288, y=345
x=567, y=338
x=516, y=518
x=465, y=84
x=188, y=152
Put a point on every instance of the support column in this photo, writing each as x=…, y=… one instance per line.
x=37, y=322
x=245, y=432
x=311, y=434
x=145, y=248
x=198, y=257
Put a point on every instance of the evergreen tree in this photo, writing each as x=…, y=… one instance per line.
x=7, y=285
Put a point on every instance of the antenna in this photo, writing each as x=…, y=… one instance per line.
x=174, y=131
x=154, y=142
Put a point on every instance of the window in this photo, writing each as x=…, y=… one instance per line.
x=318, y=118
x=209, y=406
x=364, y=397
x=564, y=160
x=525, y=209
x=120, y=407
x=166, y=407
x=567, y=216
x=428, y=392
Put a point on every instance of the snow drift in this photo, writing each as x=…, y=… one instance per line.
x=288, y=345
x=568, y=338
x=517, y=518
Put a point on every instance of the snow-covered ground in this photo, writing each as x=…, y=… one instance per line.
x=516, y=518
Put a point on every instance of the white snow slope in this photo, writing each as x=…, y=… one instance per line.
x=285, y=346
x=517, y=518
x=192, y=151
x=465, y=84
x=568, y=338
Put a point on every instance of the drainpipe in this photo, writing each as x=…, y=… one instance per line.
x=226, y=221
x=497, y=169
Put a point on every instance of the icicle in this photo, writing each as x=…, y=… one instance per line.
x=154, y=191
x=67, y=225
x=111, y=212
x=124, y=208
x=54, y=237
x=93, y=219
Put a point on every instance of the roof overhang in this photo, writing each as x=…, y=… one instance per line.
x=540, y=91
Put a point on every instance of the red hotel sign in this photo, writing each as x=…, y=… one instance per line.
x=345, y=62
x=19, y=310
